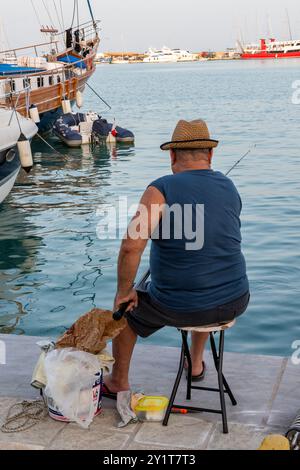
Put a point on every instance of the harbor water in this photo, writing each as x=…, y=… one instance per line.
x=53, y=267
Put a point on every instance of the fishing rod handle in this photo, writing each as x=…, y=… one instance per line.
x=119, y=314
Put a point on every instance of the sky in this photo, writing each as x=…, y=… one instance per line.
x=135, y=25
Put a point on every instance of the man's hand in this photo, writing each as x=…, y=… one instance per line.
x=124, y=298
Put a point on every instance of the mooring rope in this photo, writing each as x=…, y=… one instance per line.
x=97, y=94
x=50, y=146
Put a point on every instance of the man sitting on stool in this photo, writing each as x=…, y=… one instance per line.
x=198, y=271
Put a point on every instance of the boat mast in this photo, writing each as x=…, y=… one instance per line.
x=289, y=23
x=92, y=14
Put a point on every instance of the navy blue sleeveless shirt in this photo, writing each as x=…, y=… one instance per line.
x=213, y=274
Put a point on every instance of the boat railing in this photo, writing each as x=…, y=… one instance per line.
x=58, y=70
x=12, y=95
x=88, y=28
x=26, y=48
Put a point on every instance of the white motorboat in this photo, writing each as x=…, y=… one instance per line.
x=184, y=56
x=160, y=56
x=168, y=55
x=12, y=125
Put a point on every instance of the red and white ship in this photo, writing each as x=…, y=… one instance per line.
x=271, y=49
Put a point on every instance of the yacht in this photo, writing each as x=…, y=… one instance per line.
x=50, y=76
x=12, y=126
x=160, y=56
x=184, y=56
x=168, y=55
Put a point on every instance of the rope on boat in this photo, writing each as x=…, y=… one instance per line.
x=50, y=146
x=57, y=14
x=74, y=13
x=48, y=12
x=36, y=14
x=62, y=14
x=97, y=94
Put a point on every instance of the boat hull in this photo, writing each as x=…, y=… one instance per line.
x=269, y=55
x=8, y=175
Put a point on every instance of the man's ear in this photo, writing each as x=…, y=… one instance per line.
x=211, y=154
x=173, y=156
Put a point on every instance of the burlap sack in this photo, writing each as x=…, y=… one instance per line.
x=92, y=332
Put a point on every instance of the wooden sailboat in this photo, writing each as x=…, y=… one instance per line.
x=44, y=85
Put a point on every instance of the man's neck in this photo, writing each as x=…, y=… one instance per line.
x=194, y=166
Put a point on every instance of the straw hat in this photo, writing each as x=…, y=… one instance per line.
x=191, y=135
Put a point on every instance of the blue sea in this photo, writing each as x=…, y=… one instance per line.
x=54, y=268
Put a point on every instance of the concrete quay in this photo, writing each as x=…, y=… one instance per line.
x=266, y=388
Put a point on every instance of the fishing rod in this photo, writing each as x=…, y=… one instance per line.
x=240, y=160
x=118, y=315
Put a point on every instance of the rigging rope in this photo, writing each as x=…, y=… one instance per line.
x=57, y=14
x=74, y=13
x=78, y=20
x=48, y=13
x=62, y=14
x=36, y=13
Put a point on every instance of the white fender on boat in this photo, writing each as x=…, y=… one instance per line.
x=66, y=106
x=25, y=153
x=112, y=136
x=34, y=114
x=79, y=99
x=111, y=139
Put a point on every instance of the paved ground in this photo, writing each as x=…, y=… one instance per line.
x=267, y=390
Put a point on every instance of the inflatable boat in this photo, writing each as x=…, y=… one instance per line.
x=76, y=129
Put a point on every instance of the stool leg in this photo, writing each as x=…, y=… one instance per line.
x=216, y=359
x=221, y=383
x=176, y=385
x=189, y=361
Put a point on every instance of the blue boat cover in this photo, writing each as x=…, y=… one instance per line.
x=10, y=69
x=70, y=59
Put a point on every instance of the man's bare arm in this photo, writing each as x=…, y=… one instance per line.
x=138, y=233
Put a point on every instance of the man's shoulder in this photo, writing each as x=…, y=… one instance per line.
x=160, y=183
x=162, y=179
x=226, y=179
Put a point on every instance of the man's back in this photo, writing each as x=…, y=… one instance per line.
x=192, y=280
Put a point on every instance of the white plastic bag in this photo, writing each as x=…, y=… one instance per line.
x=70, y=378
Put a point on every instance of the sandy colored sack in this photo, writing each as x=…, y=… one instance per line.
x=92, y=332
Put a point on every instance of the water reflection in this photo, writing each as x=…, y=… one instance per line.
x=19, y=247
x=51, y=262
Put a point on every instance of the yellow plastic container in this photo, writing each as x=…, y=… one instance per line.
x=151, y=408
